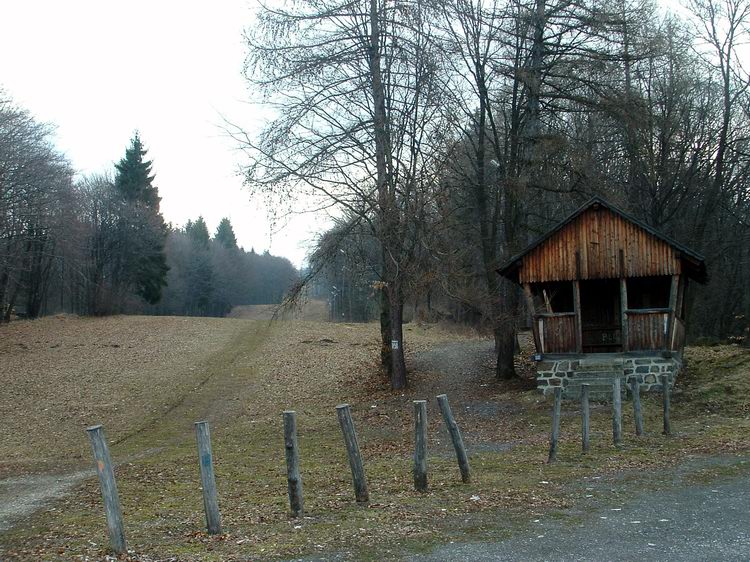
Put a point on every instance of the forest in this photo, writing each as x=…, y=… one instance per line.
x=448, y=134
x=98, y=244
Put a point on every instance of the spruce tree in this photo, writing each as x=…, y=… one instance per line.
x=198, y=233
x=134, y=178
x=225, y=235
x=143, y=264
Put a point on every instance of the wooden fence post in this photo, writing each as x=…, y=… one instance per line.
x=293, y=476
x=108, y=487
x=352, y=448
x=585, y=417
x=208, y=481
x=637, y=414
x=420, y=445
x=555, y=425
x=665, y=390
x=455, y=433
x=616, y=411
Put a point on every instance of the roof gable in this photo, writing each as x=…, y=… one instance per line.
x=598, y=241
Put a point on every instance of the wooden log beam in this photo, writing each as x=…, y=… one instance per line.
x=637, y=413
x=208, y=480
x=585, y=417
x=420, y=445
x=624, y=313
x=577, y=310
x=108, y=485
x=361, y=493
x=673, y=293
x=616, y=411
x=555, y=434
x=293, y=476
x=665, y=393
x=455, y=433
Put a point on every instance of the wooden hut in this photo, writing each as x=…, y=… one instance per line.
x=606, y=294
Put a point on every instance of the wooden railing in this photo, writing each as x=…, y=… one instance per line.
x=648, y=329
x=557, y=332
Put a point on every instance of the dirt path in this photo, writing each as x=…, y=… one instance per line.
x=59, y=464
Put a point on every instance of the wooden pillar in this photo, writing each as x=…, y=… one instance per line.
x=532, y=311
x=674, y=289
x=577, y=310
x=623, y=312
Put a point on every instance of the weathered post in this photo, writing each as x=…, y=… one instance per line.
x=585, y=417
x=352, y=448
x=637, y=414
x=108, y=487
x=420, y=445
x=555, y=425
x=208, y=481
x=294, y=479
x=616, y=411
x=666, y=402
x=455, y=433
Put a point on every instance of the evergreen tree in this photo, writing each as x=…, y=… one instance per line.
x=198, y=232
x=142, y=266
x=134, y=178
x=225, y=235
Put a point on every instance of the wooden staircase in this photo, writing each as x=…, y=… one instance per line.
x=598, y=373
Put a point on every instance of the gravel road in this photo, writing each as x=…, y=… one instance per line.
x=695, y=522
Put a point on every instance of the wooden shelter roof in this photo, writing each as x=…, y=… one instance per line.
x=621, y=246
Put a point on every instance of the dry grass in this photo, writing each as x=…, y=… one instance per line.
x=62, y=374
x=263, y=369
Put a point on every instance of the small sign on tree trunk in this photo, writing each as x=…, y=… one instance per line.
x=394, y=344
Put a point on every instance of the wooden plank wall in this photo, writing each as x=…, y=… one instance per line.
x=559, y=333
x=598, y=236
x=646, y=330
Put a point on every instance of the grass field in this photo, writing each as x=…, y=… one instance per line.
x=148, y=379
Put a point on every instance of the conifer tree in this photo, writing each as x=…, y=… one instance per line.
x=225, y=235
x=142, y=265
x=198, y=232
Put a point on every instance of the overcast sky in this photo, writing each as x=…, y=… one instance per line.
x=101, y=69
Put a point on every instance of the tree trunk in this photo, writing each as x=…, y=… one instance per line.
x=385, y=332
x=505, y=343
x=398, y=363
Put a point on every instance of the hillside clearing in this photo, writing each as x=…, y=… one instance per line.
x=253, y=370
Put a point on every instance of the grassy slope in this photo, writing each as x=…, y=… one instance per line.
x=310, y=367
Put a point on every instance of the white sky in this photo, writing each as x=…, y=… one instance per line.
x=101, y=69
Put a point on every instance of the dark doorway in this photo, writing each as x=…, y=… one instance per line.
x=600, y=316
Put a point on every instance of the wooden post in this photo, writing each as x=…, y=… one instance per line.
x=293, y=477
x=624, y=314
x=666, y=402
x=352, y=448
x=108, y=487
x=555, y=425
x=637, y=414
x=674, y=289
x=585, y=417
x=420, y=445
x=455, y=433
x=208, y=481
x=616, y=411
x=532, y=310
x=577, y=310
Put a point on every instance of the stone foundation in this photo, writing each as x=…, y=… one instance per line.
x=647, y=370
